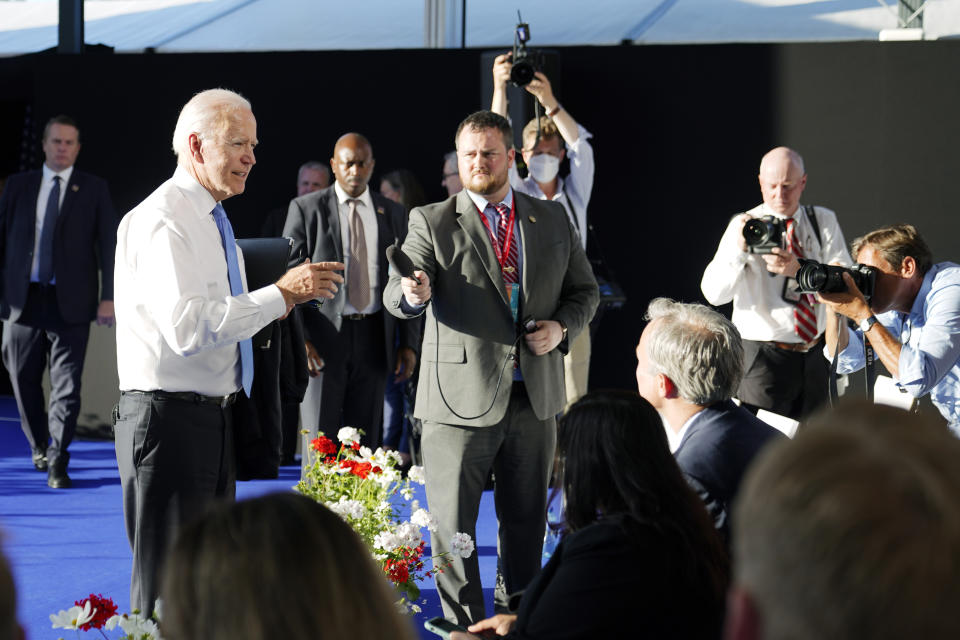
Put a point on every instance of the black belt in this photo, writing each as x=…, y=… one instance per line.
x=189, y=396
x=359, y=316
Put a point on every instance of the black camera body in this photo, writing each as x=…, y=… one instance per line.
x=764, y=234
x=526, y=62
x=813, y=277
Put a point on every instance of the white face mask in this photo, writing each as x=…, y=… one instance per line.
x=544, y=167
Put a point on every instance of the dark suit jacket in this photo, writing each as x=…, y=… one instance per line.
x=84, y=243
x=313, y=222
x=715, y=453
x=602, y=582
x=469, y=330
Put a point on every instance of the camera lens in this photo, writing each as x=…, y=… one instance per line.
x=811, y=277
x=755, y=232
x=521, y=73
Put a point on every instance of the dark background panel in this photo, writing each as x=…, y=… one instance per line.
x=678, y=135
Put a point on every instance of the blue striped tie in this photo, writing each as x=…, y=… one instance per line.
x=236, y=288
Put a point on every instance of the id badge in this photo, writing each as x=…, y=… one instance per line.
x=513, y=292
x=790, y=293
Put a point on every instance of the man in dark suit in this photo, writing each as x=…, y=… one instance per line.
x=689, y=363
x=488, y=392
x=350, y=338
x=59, y=233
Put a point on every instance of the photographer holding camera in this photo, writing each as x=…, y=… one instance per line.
x=917, y=323
x=755, y=265
x=559, y=136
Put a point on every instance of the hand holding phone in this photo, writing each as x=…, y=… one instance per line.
x=442, y=627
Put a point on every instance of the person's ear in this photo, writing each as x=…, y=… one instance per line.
x=743, y=619
x=665, y=386
x=195, y=145
x=908, y=268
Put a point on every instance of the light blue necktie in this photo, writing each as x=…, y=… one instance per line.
x=236, y=288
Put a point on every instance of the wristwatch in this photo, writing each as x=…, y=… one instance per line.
x=866, y=323
x=564, y=327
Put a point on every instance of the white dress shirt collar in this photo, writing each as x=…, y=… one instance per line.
x=195, y=193
x=48, y=174
x=342, y=196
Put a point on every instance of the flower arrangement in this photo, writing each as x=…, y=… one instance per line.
x=97, y=612
x=361, y=487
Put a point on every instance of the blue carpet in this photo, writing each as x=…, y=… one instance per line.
x=66, y=544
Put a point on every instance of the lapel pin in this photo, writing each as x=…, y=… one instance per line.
x=380, y=210
x=532, y=218
x=75, y=187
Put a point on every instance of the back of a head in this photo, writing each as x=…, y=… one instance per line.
x=697, y=348
x=406, y=184
x=852, y=530
x=616, y=460
x=322, y=582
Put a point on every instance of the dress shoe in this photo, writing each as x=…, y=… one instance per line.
x=57, y=477
x=39, y=460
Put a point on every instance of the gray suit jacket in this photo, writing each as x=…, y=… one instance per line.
x=313, y=222
x=469, y=329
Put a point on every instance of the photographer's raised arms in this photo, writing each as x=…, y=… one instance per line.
x=755, y=267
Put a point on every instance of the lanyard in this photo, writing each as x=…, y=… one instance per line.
x=504, y=251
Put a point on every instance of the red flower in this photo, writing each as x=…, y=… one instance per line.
x=377, y=470
x=105, y=609
x=361, y=469
x=323, y=446
x=348, y=464
x=398, y=572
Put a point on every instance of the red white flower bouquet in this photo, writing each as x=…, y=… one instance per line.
x=97, y=612
x=362, y=488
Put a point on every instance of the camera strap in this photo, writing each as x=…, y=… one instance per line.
x=812, y=218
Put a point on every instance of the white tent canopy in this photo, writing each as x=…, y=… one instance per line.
x=290, y=25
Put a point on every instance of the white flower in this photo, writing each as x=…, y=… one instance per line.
x=423, y=518
x=461, y=544
x=407, y=493
x=415, y=608
x=352, y=509
x=74, y=617
x=138, y=627
x=365, y=453
x=416, y=474
x=111, y=624
x=348, y=435
x=409, y=534
x=386, y=477
x=386, y=540
x=414, y=505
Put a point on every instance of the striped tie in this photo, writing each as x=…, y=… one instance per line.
x=804, y=317
x=510, y=267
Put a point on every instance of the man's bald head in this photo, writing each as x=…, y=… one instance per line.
x=352, y=163
x=782, y=180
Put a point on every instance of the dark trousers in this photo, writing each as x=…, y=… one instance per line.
x=39, y=338
x=354, y=374
x=176, y=459
x=788, y=383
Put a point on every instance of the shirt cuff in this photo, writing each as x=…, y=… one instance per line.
x=270, y=299
x=409, y=309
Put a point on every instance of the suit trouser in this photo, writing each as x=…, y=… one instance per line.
x=457, y=462
x=354, y=375
x=789, y=383
x=40, y=336
x=176, y=459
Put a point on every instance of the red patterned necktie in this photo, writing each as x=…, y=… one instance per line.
x=510, y=266
x=804, y=316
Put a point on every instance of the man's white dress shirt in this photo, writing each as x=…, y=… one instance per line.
x=760, y=312
x=177, y=324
